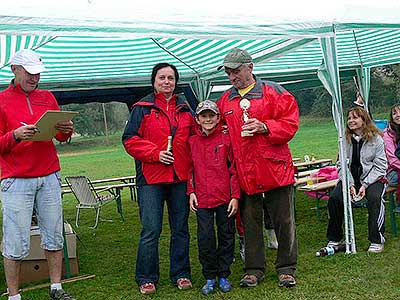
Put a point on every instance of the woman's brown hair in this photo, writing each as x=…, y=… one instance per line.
x=369, y=129
x=395, y=127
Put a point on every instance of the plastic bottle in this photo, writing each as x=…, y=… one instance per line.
x=325, y=251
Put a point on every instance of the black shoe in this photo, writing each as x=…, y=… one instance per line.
x=60, y=295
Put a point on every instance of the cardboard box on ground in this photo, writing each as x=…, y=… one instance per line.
x=35, y=268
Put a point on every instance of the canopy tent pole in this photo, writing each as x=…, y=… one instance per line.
x=328, y=73
x=105, y=123
x=363, y=76
x=201, y=88
x=364, y=83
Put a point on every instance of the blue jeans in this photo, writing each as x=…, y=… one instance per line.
x=151, y=208
x=19, y=197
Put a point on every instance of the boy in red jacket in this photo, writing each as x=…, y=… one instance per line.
x=214, y=191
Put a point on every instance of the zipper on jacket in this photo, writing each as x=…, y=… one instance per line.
x=280, y=161
x=215, y=153
x=29, y=104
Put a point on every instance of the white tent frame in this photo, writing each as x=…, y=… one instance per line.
x=297, y=35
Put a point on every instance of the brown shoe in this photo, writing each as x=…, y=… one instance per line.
x=248, y=281
x=287, y=280
x=184, y=283
x=148, y=288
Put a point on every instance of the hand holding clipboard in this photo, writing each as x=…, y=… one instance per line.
x=51, y=122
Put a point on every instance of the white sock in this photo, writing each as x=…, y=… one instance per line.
x=15, y=297
x=55, y=286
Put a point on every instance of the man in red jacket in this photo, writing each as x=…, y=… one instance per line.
x=262, y=118
x=30, y=174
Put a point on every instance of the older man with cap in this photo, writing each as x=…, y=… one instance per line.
x=30, y=174
x=262, y=118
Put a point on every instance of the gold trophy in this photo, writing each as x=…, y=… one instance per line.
x=245, y=105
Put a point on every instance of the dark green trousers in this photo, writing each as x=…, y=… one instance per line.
x=280, y=206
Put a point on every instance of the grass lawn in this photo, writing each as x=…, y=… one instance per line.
x=109, y=251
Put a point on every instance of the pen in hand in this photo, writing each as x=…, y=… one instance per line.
x=34, y=129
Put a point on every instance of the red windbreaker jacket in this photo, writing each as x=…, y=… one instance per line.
x=26, y=159
x=151, y=121
x=263, y=161
x=212, y=173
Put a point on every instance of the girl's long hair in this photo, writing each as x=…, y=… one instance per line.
x=369, y=129
x=395, y=127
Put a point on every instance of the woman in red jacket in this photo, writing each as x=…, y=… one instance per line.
x=156, y=136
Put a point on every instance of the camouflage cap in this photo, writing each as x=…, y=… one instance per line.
x=207, y=105
x=235, y=58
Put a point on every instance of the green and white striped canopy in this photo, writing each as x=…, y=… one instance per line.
x=88, y=54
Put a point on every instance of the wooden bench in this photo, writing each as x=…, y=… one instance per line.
x=324, y=188
x=391, y=194
x=320, y=189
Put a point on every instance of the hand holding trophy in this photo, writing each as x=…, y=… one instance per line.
x=245, y=105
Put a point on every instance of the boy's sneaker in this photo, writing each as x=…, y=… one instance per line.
x=209, y=287
x=224, y=285
x=241, y=248
x=248, y=281
x=272, y=242
x=60, y=295
x=148, y=288
x=333, y=244
x=183, y=283
x=376, y=248
x=287, y=280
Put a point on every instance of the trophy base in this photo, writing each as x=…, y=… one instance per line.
x=246, y=133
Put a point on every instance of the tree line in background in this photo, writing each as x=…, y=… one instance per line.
x=313, y=102
x=90, y=121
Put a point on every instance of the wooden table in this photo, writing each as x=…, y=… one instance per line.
x=303, y=180
x=312, y=164
x=130, y=182
x=306, y=173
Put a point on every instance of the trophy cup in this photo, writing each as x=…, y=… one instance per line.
x=245, y=105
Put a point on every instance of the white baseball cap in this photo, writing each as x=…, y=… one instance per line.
x=30, y=60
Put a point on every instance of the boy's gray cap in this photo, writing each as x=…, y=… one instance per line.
x=235, y=58
x=207, y=105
